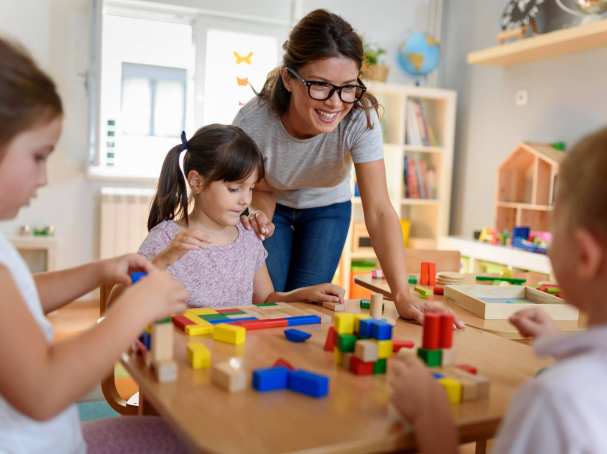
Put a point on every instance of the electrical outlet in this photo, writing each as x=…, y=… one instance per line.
x=520, y=98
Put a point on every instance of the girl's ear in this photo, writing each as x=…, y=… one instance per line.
x=590, y=254
x=195, y=181
x=286, y=79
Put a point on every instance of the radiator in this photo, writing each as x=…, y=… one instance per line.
x=124, y=219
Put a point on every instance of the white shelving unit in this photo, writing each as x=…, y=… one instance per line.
x=39, y=252
x=429, y=217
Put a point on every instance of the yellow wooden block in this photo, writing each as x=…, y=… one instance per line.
x=199, y=356
x=339, y=356
x=453, y=388
x=199, y=330
x=357, y=319
x=195, y=318
x=201, y=311
x=230, y=334
x=344, y=323
x=384, y=349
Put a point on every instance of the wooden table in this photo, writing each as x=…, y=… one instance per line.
x=500, y=327
x=353, y=418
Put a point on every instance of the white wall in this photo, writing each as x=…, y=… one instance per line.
x=57, y=33
x=567, y=99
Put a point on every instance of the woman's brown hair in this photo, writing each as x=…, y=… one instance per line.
x=218, y=153
x=317, y=36
x=27, y=95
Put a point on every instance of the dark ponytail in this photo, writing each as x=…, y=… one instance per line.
x=218, y=153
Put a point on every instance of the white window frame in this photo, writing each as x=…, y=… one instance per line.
x=201, y=21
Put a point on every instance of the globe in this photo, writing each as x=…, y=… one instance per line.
x=592, y=6
x=419, y=55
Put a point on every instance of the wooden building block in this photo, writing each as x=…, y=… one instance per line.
x=357, y=319
x=199, y=330
x=398, y=344
x=346, y=360
x=180, y=321
x=384, y=349
x=432, y=357
x=165, y=371
x=229, y=375
x=346, y=342
x=423, y=292
x=453, y=388
x=449, y=356
x=201, y=311
x=445, y=338
x=360, y=367
x=199, y=356
x=377, y=305
x=431, y=274
x=335, y=307
x=431, y=331
x=229, y=334
x=423, y=274
x=366, y=350
x=344, y=323
x=162, y=341
x=331, y=340
x=482, y=382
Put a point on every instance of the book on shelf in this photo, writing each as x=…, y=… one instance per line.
x=419, y=131
x=419, y=179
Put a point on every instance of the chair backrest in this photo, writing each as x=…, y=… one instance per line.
x=444, y=260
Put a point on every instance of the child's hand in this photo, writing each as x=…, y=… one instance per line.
x=157, y=295
x=117, y=270
x=186, y=240
x=321, y=293
x=415, y=393
x=259, y=222
x=534, y=323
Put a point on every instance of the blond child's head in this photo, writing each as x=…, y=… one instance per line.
x=30, y=124
x=579, y=249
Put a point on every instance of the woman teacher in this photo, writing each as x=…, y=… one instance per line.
x=311, y=120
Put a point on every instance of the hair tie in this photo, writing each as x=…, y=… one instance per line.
x=184, y=141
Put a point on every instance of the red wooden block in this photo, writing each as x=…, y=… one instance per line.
x=445, y=339
x=262, y=324
x=423, y=275
x=180, y=322
x=467, y=367
x=284, y=363
x=228, y=311
x=431, y=334
x=431, y=273
x=398, y=344
x=438, y=290
x=359, y=367
x=331, y=340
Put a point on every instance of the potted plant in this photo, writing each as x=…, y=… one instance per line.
x=373, y=66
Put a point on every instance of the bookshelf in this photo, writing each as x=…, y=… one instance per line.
x=418, y=124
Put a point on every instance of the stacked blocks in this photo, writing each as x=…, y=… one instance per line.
x=297, y=380
x=363, y=344
x=157, y=347
x=437, y=338
x=427, y=274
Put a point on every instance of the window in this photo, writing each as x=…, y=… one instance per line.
x=165, y=69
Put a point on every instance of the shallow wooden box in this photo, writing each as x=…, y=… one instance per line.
x=491, y=302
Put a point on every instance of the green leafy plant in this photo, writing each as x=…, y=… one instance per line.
x=373, y=54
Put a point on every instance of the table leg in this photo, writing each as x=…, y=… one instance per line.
x=481, y=447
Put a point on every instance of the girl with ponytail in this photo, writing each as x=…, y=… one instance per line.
x=194, y=223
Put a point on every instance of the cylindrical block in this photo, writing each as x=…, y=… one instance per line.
x=446, y=331
x=377, y=305
x=432, y=326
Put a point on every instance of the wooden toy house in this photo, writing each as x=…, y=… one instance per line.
x=527, y=183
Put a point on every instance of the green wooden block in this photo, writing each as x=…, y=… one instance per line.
x=266, y=304
x=423, y=292
x=432, y=358
x=380, y=366
x=209, y=317
x=164, y=320
x=412, y=280
x=365, y=304
x=346, y=342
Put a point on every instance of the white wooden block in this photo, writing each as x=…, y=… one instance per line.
x=449, y=356
x=377, y=305
x=165, y=371
x=335, y=307
x=162, y=341
x=366, y=350
x=229, y=375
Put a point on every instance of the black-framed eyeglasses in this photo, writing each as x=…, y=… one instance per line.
x=321, y=91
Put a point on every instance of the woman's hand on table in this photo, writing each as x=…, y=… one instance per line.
x=412, y=308
x=534, y=323
x=259, y=222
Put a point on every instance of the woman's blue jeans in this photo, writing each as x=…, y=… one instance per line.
x=306, y=245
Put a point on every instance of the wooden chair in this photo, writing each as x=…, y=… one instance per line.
x=444, y=260
x=108, y=384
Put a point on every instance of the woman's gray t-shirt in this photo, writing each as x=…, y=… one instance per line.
x=314, y=172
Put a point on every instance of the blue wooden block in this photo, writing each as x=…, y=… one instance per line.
x=270, y=379
x=137, y=275
x=296, y=335
x=438, y=375
x=364, y=330
x=308, y=383
x=146, y=339
x=239, y=319
x=381, y=330
x=303, y=320
x=215, y=321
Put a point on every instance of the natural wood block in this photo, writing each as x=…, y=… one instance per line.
x=366, y=350
x=162, y=341
x=165, y=371
x=377, y=305
x=449, y=356
x=229, y=375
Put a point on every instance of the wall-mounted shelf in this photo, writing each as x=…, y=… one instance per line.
x=548, y=45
